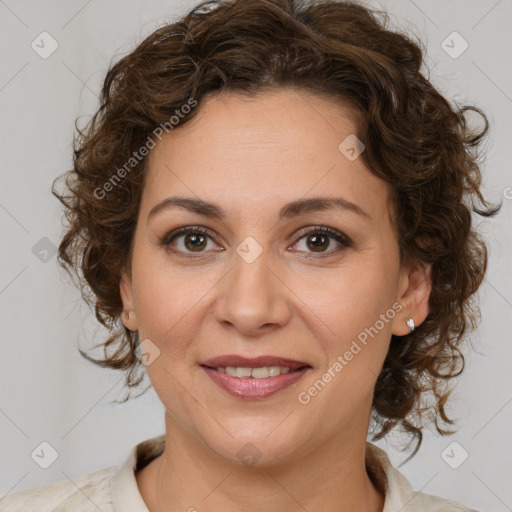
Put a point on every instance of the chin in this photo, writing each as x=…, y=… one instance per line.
x=262, y=447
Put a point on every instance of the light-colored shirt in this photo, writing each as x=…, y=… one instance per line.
x=115, y=489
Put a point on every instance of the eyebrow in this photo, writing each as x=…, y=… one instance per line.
x=289, y=210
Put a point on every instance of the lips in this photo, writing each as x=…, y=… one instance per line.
x=253, y=362
x=287, y=372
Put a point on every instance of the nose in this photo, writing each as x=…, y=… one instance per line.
x=253, y=299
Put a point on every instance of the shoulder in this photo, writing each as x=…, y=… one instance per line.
x=83, y=493
x=424, y=502
x=399, y=494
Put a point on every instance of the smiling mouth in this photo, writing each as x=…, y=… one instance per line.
x=263, y=372
x=255, y=383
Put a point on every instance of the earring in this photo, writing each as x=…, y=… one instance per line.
x=410, y=324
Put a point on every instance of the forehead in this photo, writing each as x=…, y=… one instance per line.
x=244, y=153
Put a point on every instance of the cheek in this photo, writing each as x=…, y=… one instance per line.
x=165, y=292
x=173, y=303
x=350, y=298
x=356, y=316
x=355, y=306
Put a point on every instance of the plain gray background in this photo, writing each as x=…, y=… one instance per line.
x=49, y=393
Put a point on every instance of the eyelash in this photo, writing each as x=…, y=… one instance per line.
x=342, y=239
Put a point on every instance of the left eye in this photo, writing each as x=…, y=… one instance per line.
x=319, y=240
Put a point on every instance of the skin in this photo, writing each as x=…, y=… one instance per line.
x=250, y=156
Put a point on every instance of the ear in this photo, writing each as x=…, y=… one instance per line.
x=128, y=316
x=413, y=293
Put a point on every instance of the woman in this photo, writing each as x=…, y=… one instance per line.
x=272, y=209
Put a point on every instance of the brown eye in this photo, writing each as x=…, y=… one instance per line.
x=190, y=240
x=195, y=242
x=317, y=243
x=322, y=240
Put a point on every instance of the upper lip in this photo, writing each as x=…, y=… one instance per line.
x=234, y=360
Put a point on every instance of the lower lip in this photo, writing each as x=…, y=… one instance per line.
x=251, y=388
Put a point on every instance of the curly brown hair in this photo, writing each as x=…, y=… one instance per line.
x=415, y=141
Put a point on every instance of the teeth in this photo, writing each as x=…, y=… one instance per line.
x=243, y=372
x=257, y=373
x=262, y=373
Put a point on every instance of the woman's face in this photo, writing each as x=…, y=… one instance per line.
x=260, y=279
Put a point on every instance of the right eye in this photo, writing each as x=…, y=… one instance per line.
x=189, y=240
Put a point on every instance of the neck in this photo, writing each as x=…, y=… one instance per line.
x=328, y=477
